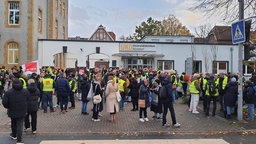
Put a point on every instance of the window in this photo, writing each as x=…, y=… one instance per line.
x=40, y=15
x=14, y=13
x=113, y=63
x=56, y=28
x=13, y=53
x=220, y=67
x=165, y=64
x=197, y=66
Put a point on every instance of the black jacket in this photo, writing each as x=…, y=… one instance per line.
x=231, y=93
x=248, y=94
x=85, y=88
x=62, y=87
x=168, y=85
x=33, y=97
x=15, y=100
x=134, y=89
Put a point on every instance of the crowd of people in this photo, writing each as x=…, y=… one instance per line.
x=149, y=89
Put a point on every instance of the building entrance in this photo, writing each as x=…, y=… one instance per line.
x=138, y=63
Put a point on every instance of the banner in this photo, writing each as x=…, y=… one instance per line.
x=31, y=67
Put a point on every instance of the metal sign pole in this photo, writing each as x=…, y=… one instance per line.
x=240, y=67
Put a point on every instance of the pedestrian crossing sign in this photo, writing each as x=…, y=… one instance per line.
x=238, y=32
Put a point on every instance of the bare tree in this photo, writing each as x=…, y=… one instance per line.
x=227, y=9
x=202, y=31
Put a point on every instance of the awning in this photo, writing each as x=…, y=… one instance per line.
x=138, y=55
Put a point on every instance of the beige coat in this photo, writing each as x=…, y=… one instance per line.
x=111, y=100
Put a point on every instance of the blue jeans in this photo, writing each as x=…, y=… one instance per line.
x=229, y=110
x=174, y=95
x=47, y=99
x=251, y=111
x=121, y=103
x=84, y=107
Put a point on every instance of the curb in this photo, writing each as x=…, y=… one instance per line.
x=148, y=133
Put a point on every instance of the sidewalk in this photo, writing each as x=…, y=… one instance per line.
x=159, y=141
x=73, y=123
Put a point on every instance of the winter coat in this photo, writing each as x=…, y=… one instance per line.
x=134, y=89
x=62, y=87
x=143, y=94
x=15, y=100
x=248, y=94
x=231, y=93
x=168, y=86
x=111, y=100
x=84, y=89
x=33, y=96
x=97, y=88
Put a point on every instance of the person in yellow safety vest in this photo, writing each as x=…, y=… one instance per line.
x=158, y=71
x=174, y=85
x=47, y=89
x=73, y=88
x=203, y=82
x=4, y=70
x=211, y=94
x=222, y=81
x=23, y=81
x=194, y=89
x=122, y=89
x=184, y=84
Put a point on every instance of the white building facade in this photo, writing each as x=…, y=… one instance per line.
x=183, y=57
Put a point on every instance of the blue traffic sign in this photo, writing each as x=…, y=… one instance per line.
x=238, y=32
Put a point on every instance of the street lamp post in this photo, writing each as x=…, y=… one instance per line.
x=240, y=67
x=88, y=61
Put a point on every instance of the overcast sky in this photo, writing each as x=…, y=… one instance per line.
x=122, y=16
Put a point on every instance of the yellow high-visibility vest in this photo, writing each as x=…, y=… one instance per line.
x=192, y=88
x=121, y=85
x=207, y=92
x=24, y=83
x=175, y=79
x=70, y=84
x=47, y=85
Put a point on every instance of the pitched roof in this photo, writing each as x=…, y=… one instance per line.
x=220, y=34
x=102, y=28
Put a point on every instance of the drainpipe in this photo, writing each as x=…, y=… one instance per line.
x=231, y=52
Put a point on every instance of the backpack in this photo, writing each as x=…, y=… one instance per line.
x=163, y=92
x=212, y=88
